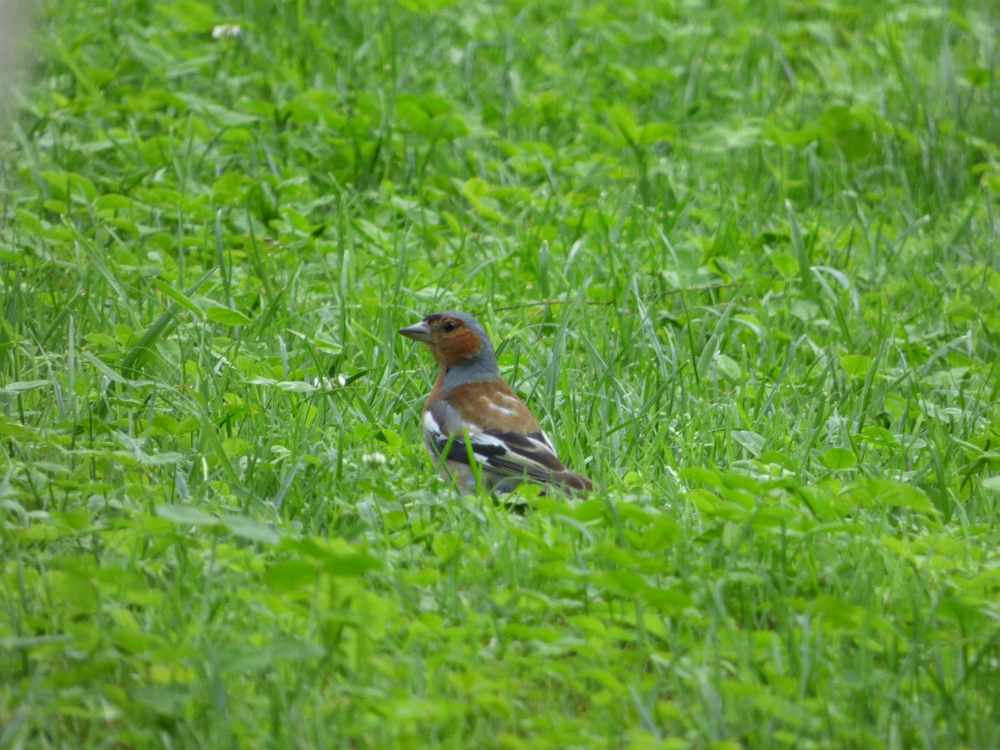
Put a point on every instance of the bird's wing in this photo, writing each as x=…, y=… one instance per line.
x=504, y=452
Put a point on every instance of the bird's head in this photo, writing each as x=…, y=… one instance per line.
x=454, y=339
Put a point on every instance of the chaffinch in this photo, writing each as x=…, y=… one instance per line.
x=507, y=443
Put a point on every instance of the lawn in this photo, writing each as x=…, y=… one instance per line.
x=740, y=258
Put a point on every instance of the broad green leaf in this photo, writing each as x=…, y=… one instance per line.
x=13, y=389
x=631, y=479
x=856, y=365
x=992, y=484
x=962, y=610
x=10, y=428
x=589, y=510
x=879, y=435
x=30, y=222
x=234, y=446
x=666, y=600
x=635, y=513
x=40, y=533
x=850, y=129
x=191, y=16
x=656, y=131
x=753, y=442
x=991, y=181
x=248, y=528
x=705, y=476
x=355, y=564
x=227, y=316
x=76, y=520
x=839, y=458
x=67, y=185
x=447, y=546
x=228, y=188
x=123, y=334
x=337, y=557
x=738, y=480
x=898, y=546
x=778, y=458
x=785, y=264
x=838, y=614
x=475, y=187
x=728, y=367
x=185, y=514
x=900, y=495
x=704, y=500
x=291, y=575
x=662, y=533
x=112, y=202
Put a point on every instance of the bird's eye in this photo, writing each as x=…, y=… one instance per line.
x=449, y=327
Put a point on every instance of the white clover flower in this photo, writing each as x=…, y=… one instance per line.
x=226, y=31
x=374, y=459
x=329, y=383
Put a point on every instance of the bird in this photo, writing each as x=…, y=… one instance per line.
x=471, y=397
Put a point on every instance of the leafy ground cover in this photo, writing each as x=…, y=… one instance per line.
x=766, y=237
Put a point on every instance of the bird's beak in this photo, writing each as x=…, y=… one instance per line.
x=419, y=332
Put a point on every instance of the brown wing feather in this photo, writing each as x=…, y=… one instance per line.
x=493, y=405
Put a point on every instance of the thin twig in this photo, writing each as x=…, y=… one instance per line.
x=667, y=293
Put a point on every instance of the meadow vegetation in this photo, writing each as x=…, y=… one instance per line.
x=740, y=258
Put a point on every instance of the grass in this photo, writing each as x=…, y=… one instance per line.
x=740, y=258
